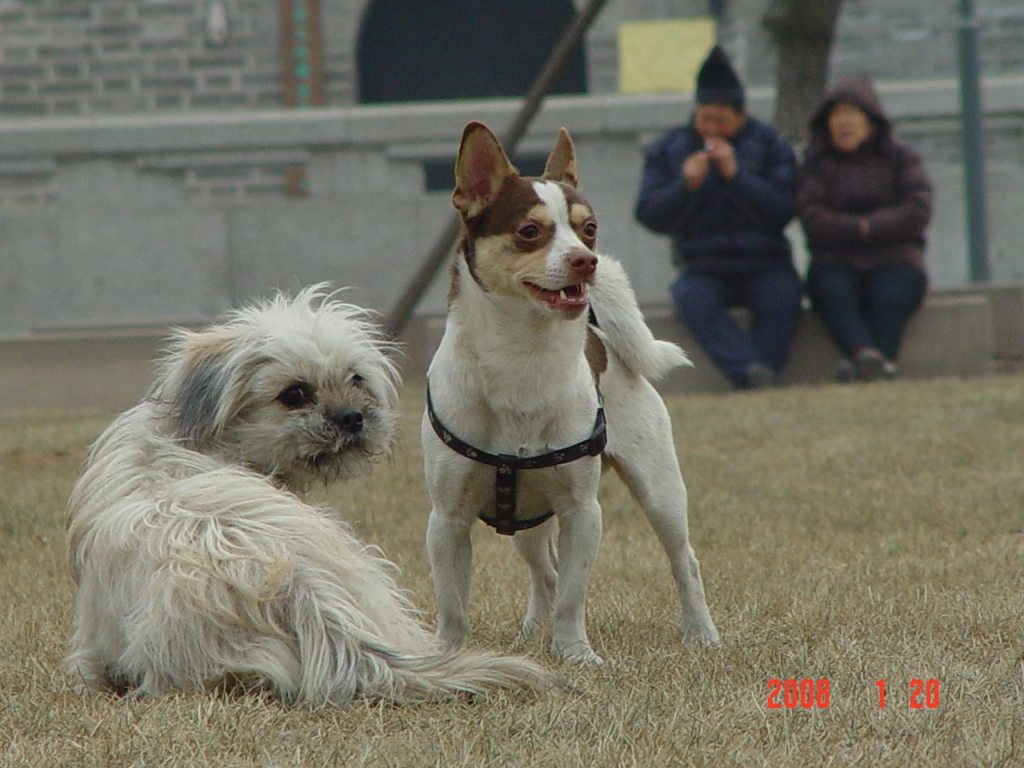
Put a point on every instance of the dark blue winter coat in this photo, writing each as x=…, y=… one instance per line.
x=723, y=226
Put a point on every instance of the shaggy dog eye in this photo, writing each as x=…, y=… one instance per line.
x=357, y=380
x=528, y=232
x=296, y=396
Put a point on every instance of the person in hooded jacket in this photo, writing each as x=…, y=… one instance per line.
x=722, y=187
x=864, y=201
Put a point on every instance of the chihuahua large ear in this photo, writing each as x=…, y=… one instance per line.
x=561, y=165
x=480, y=170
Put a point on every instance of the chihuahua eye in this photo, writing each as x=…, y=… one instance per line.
x=590, y=229
x=296, y=396
x=528, y=231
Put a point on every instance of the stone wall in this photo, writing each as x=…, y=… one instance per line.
x=77, y=57
x=886, y=39
x=143, y=165
x=144, y=220
x=909, y=39
x=89, y=57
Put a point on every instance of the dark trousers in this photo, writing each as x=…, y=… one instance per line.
x=866, y=308
x=772, y=294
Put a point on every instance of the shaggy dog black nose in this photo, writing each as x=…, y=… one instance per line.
x=348, y=420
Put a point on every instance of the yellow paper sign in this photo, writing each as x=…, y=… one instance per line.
x=663, y=55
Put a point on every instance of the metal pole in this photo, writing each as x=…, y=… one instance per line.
x=400, y=315
x=973, y=147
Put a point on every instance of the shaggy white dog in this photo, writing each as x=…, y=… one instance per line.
x=198, y=564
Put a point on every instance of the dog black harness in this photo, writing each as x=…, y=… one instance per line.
x=508, y=466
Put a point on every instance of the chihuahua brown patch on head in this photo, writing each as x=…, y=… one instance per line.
x=523, y=236
x=480, y=170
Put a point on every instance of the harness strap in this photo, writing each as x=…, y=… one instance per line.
x=508, y=466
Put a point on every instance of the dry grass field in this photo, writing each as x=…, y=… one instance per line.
x=846, y=534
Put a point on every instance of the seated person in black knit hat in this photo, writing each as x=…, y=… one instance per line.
x=723, y=188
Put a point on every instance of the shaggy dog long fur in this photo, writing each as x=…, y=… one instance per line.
x=199, y=565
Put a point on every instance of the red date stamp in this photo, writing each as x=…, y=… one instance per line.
x=799, y=693
x=923, y=693
x=810, y=694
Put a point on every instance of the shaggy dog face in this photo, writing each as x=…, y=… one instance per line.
x=295, y=392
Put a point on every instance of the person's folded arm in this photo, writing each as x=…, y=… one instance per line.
x=823, y=226
x=908, y=217
x=663, y=198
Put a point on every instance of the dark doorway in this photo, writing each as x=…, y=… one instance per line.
x=428, y=50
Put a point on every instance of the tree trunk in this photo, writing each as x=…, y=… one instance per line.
x=802, y=31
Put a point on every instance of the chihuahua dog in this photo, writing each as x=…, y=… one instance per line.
x=543, y=377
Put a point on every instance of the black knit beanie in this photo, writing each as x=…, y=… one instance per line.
x=717, y=82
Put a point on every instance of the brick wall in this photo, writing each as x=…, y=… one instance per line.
x=909, y=39
x=103, y=57
x=80, y=57
x=886, y=39
x=75, y=57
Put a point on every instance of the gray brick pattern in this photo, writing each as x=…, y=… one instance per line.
x=81, y=57
x=886, y=39
x=28, y=182
x=102, y=57
x=227, y=176
x=212, y=176
x=911, y=39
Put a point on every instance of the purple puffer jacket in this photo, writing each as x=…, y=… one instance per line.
x=883, y=182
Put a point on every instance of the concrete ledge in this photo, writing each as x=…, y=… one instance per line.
x=106, y=371
x=954, y=334
x=91, y=136
x=949, y=336
x=1007, y=301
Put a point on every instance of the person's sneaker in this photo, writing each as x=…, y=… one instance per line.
x=890, y=371
x=845, y=372
x=869, y=363
x=759, y=376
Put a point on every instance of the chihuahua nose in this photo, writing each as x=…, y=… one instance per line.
x=348, y=420
x=582, y=263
